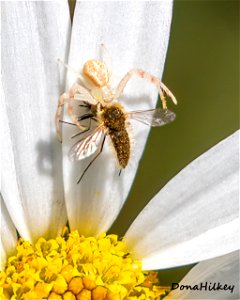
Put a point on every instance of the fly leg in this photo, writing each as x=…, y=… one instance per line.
x=150, y=78
x=81, y=132
x=65, y=122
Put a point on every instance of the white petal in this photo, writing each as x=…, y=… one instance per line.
x=136, y=35
x=8, y=234
x=195, y=216
x=34, y=36
x=221, y=272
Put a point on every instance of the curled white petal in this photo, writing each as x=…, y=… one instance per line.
x=136, y=36
x=216, y=278
x=195, y=216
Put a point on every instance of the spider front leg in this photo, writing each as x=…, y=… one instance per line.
x=62, y=100
x=66, y=99
x=150, y=78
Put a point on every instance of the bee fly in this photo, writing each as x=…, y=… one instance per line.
x=111, y=118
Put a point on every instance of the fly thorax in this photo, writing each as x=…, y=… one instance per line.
x=113, y=118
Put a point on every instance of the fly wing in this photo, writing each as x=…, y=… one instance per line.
x=87, y=145
x=153, y=117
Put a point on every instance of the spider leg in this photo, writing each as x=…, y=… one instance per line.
x=106, y=57
x=72, y=92
x=64, y=98
x=150, y=78
x=71, y=69
x=88, y=166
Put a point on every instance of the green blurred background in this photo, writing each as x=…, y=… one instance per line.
x=202, y=69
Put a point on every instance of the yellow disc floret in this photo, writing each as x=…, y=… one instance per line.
x=73, y=267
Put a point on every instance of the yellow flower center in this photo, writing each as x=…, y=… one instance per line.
x=73, y=267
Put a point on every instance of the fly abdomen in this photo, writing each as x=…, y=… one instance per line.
x=121, y=143
x=114, y=120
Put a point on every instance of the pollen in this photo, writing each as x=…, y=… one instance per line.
x=74, y=267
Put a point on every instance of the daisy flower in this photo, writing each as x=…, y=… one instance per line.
x=197, y=209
